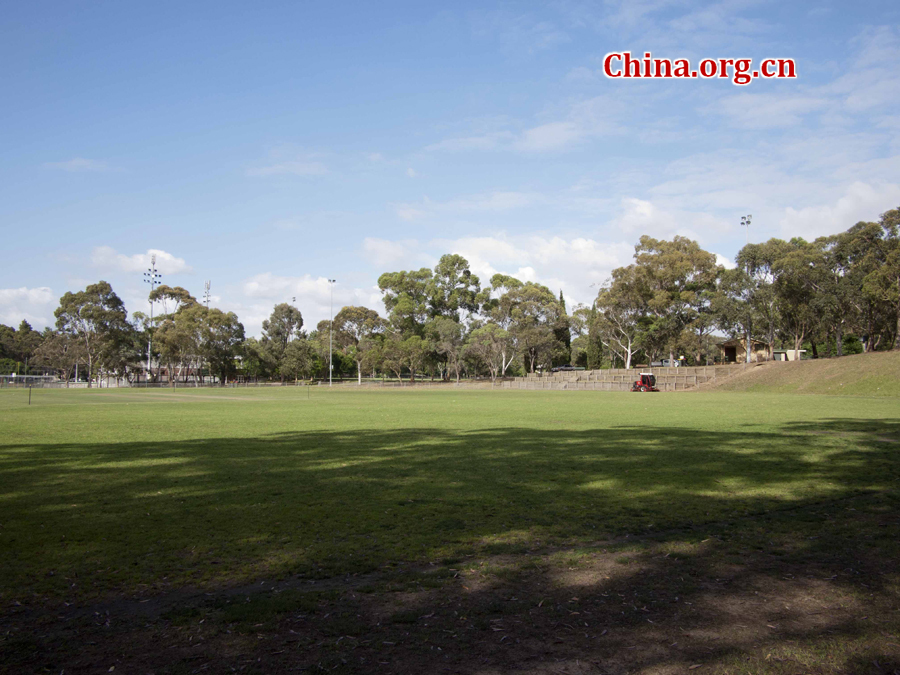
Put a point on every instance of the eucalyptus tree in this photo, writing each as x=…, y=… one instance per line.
x=487, y=345
x=283, y=326
x=448, y=340
x=498, y=303
x=882, y=283
x=172, y=299
x=798, y=272
x=676, y=279
x=620, y=310
x=223, y=337
x=298, y=360
x=179, y=339
x=94, y=317
x=453, y=290
x=760, y=261
x=60, y=351
x=535, y=315
x=406, y=299
x=355, y=330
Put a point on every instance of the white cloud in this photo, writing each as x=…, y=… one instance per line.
x=640, y=216
x=80, y=164
x=106, y=257
x=294, y=168
x=766, y=111
x=724, y=262
x=411, y=172
x=409, y=212
x=388, y=253
x=517, y=33
x=860, y=201
x=34, y=305
x=550, y=136
x=494, y=201
x=591, y=118
x=313, y=297
x=487, y=141
x=498, y=201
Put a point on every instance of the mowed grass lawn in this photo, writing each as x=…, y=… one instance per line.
x=107, y=492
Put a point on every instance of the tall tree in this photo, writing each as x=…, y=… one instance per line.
x=222, y=340
x=535, y=314
x=760, y=262
x=499, y=302
x=453, y=288
x=93, y=316
x=61, y=352
x=406, y=299
x=172, y=299
x=562, y=332
x=283, y=326
x=621, y=306
x=488, y=344
x=354, y=330
x=676, y=279
x=882, y=284
x=448, y=338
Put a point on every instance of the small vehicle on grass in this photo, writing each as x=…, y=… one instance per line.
x=646, y=383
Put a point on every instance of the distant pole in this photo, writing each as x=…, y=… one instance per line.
x=29, y=394
x=206, y=294
x=745, y=222
x=331, y=282
x=152, y=277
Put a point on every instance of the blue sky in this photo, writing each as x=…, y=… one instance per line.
x=269, y=146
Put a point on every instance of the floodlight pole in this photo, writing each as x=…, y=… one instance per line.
x=331, y=283
x=152, y=277
x=745, y=222
x=206, y=286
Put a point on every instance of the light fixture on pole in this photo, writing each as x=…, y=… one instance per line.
x=745, y=222
x=206, y=286
x=331, y=283
x=152, y=277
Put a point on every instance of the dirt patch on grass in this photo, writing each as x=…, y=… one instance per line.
x=813, y=590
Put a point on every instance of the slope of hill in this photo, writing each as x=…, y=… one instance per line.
x=874, y=374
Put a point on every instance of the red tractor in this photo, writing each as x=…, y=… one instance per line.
x=646, y=383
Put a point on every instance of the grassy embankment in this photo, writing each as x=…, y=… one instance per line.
x=875, y=374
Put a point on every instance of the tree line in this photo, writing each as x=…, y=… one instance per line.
x=835, y=295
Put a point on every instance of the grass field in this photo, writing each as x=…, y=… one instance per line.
x=163, y=508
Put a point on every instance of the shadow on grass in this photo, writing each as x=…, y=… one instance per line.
x=130, y=514
x=743, y=541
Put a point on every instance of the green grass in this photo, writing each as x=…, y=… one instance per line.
x=128, y=491
x=876, y=374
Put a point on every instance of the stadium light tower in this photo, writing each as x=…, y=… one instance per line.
x=206, y=286
x=331, y=283
x=745, y=222
x=152, y=277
